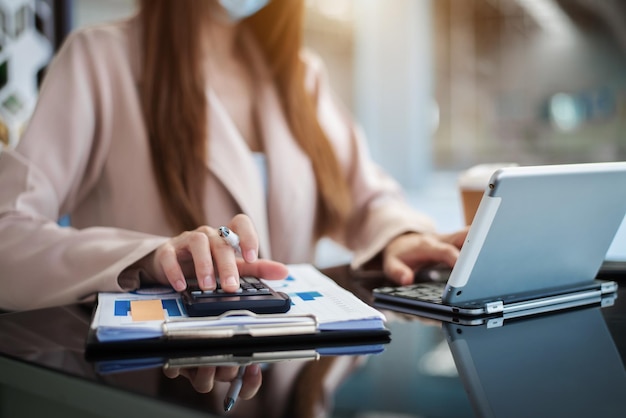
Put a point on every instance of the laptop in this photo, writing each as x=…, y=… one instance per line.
x=539, y=238
x=564, y=364
x=499, y=319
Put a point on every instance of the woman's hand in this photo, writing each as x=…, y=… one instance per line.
x=203, y=254
x=409, y=252
x=203, y=378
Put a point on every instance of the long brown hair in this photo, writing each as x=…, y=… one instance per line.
x=175, y=106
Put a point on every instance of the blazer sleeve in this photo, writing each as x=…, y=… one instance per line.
x=55, y=163
x=380, y=211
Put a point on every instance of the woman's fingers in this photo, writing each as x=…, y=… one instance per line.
x=456, y=238
x=198, y=243
x=167, y=261
x=203, y=378
x=248, y=240
x=188, y=251
x=266, y=269
x=409, y=252
x=225, y=263
x=252, y=380
x=205, y=254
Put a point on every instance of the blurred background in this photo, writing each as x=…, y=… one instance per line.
x=437, y=85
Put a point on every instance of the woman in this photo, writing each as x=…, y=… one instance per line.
x=183, y=116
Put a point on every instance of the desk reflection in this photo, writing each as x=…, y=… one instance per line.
x=562, y=364
x=292, y=383
x=559, y=364
x=296, y=383
x=295, y=388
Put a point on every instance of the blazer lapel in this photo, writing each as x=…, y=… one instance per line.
x=291, y=198
x=231, y=161
x=290, y=205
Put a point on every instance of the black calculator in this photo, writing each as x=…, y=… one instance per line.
x=253, y=295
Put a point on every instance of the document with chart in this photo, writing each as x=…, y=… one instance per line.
x=318, y=304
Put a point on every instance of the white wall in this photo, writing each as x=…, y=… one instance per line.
x=88, y=12
x=393, y=71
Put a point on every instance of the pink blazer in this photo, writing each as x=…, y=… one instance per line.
x=85, y=153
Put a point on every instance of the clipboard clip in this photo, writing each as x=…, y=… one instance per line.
x=240, y=322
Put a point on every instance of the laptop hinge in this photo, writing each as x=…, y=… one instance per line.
x=608, y=287
x=494, y=307
x=495, y=322
x=608, y=301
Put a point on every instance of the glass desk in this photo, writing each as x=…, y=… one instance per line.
x=565, y=364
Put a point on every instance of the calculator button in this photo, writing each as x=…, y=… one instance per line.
x=251, y=290
x=222, y=291
x=248, y=286
x=200, y=292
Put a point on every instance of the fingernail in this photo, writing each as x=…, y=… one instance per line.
x=254, y=369
x=208, y=282
x=231, y=281
x=180, y=285
x=251, y=255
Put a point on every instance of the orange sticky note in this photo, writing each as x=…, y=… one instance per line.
x=147, y=310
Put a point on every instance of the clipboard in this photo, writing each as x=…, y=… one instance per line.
x=243, y=349
x=241, y=343
x=187, y=337
x=154, y=320
x=110, y=363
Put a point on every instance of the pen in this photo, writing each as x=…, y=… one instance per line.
x=231, y=238
x=233, y=391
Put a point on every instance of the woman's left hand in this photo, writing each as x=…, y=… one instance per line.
x=409, y=252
